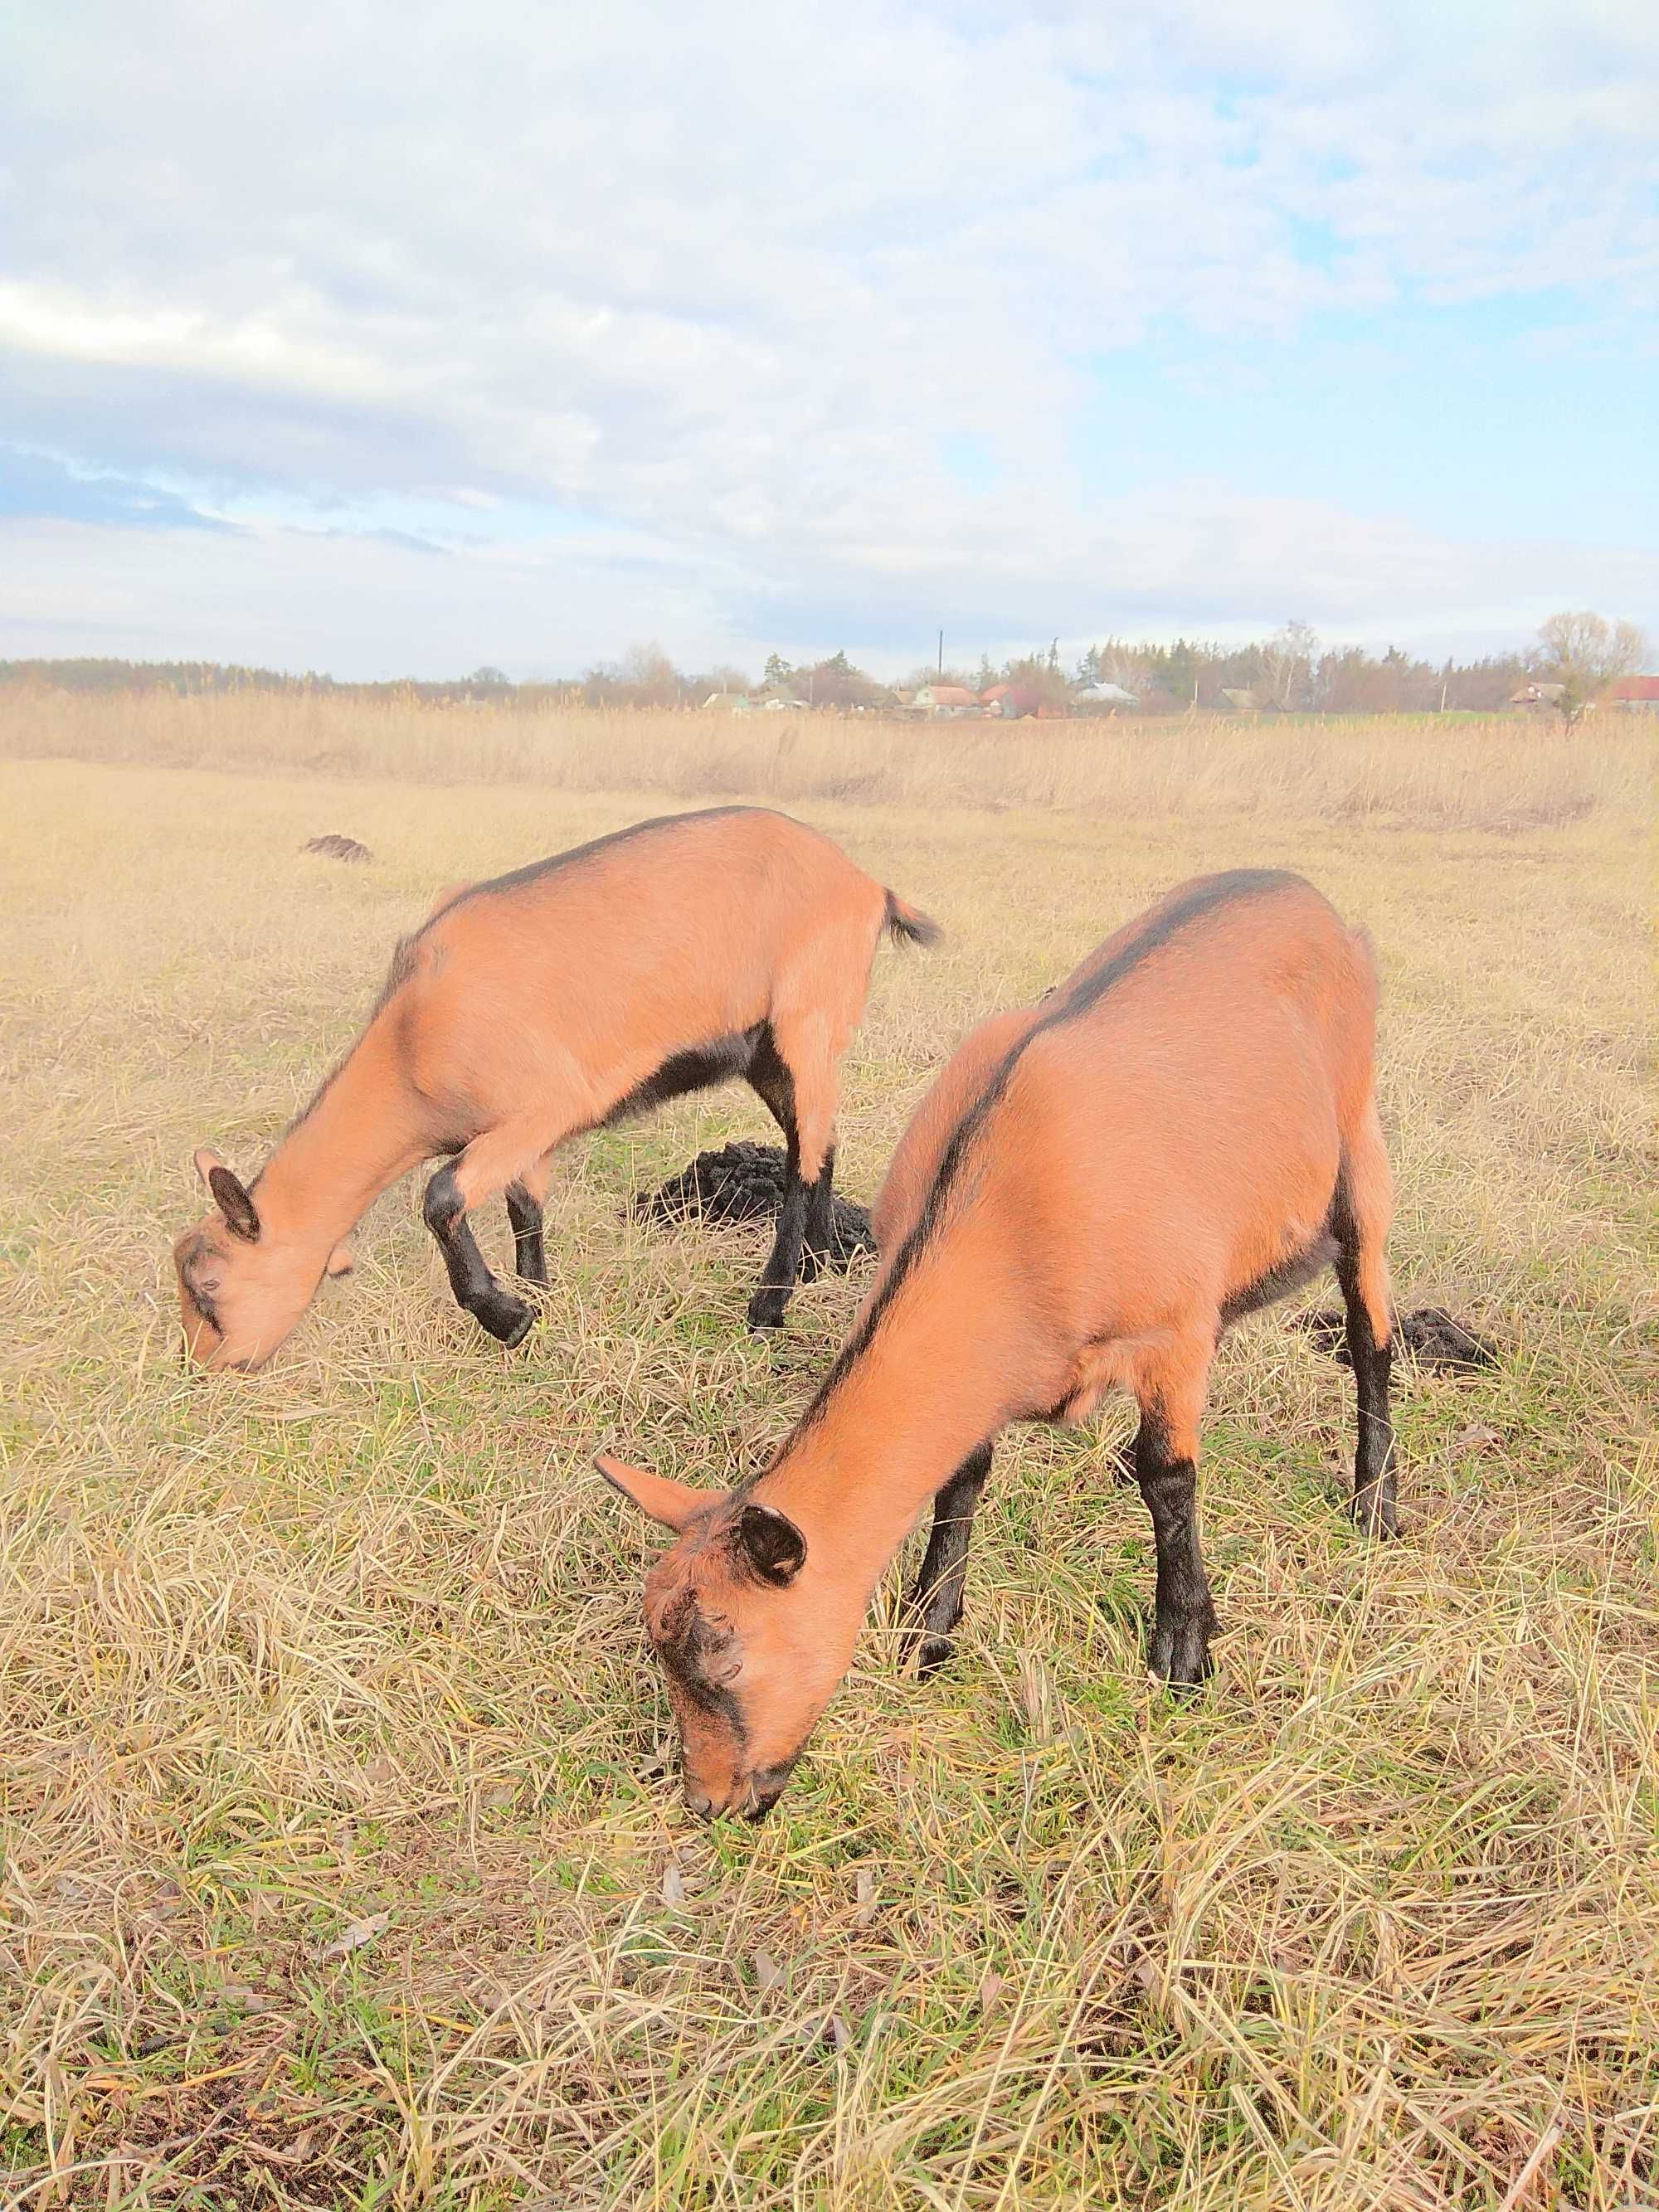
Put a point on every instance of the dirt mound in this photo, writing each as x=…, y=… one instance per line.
x=745, y=1182
x=1427, y=1335
x=334, y=846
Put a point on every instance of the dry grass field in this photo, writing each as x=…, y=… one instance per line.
x=339, y=1869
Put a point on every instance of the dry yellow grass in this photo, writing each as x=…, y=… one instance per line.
x=1499, y=772
x=337, y=1872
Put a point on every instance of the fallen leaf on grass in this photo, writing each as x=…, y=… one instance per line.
x=864, y=1891
x=673, y=1884
x=1476, y=1437
x=768, y=1972
x=991, y=1988
x=353, y=1938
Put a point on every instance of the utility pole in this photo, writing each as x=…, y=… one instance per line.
x=941, y=653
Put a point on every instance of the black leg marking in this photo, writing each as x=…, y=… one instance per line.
x=819, y=1247
x=1183, y=1615
x=935, y=1598
x=1375, y=1497
x=475, y=1289
x=530, y=1254
x=774, y=1085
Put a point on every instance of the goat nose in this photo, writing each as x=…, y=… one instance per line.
x=699, y=1800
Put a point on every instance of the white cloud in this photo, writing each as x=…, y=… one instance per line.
x=372, y=607
x=733, y=279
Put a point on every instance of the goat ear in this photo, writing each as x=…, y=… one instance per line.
x=447, y=896
x=341, y=1260
x=234, y=1202
x=672, y=1503
x=772, y=1544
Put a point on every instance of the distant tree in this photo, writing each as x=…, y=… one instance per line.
x=497, y=676
x=1041, y=676
x=835, y=683
x=1286, y=665
x=723, y=679
x=1586, y=655
x=647, y=677
x=779, y=673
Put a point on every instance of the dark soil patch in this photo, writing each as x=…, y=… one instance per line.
x=745, y=1182
x=337, y=847
x=1427, y=1335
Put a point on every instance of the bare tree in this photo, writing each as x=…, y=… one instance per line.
x=1288, y=665
x=648, y=676
x=1584, y=654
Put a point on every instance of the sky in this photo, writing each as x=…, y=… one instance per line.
x=394, y=340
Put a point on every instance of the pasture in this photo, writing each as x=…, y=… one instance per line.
x=340, y=1869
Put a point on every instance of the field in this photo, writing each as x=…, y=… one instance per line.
x=340, y=1869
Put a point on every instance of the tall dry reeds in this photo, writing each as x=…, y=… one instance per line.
x=1501, y=772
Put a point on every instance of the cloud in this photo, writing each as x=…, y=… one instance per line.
x=370, y=606
x=807, y=302
x=34, y=484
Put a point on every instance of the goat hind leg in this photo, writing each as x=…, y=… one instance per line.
x=1359, y=1221
x=794, y=1071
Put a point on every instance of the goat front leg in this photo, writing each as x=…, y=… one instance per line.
x=1166, y=1469
x=488, y=1165
x=935, y=1598
x=525, y=1199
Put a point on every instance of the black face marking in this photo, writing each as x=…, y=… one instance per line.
x=768, y=1783
x=1070, y=1003
x=200, y=1299
x=687, y=1645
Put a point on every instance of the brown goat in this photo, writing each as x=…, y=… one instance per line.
x=666, y=958
x=1094, y=1187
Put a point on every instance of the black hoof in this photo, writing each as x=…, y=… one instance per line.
x=1181, y=1654
x=933, y=1652
x=508, y=1320
x=767, y=1308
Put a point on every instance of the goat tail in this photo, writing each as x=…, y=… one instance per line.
x=909, y=924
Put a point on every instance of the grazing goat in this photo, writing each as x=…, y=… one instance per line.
x=561, y=998
x=1184, y=1131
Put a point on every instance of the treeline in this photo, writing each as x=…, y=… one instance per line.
x=191, y=678
x=1294, y=673
x=1291, y=672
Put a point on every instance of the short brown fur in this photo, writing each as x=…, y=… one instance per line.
x=1093, y=1187
x=525, y=1009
